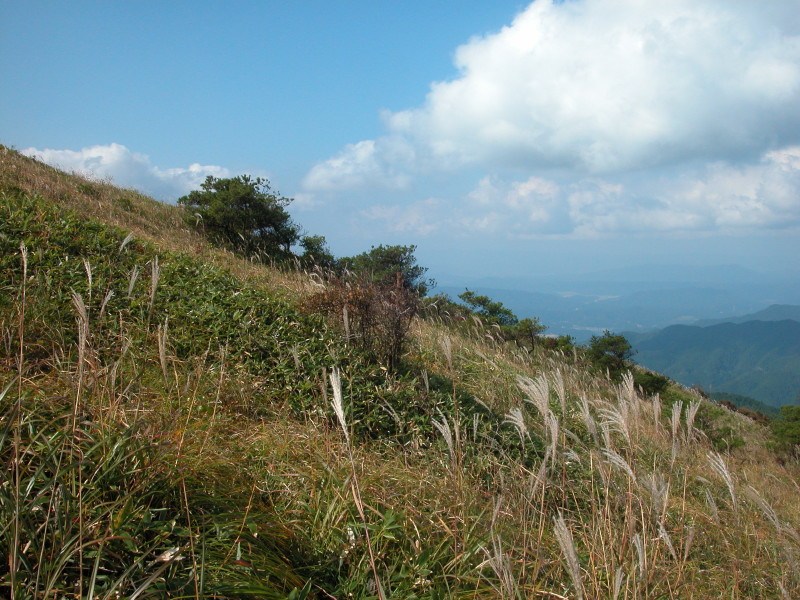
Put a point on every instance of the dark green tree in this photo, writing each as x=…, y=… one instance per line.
x=244, y=215
x=491, y=311
x=384, y=265
x=610, y=353
x=316, y=253
x=527, y=332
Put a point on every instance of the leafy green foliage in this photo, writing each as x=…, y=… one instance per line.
x=650, y=383
x=243, y=214
x=316, y=253
x=386, y=265
x=786, y=429
x=491, y=311
x=610, y=353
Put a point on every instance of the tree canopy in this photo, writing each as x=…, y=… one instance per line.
x=610, y=352
x=244, y=214
x=384, y=264
x=491, y=311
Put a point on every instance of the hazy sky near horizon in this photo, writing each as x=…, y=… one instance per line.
x=499, y=137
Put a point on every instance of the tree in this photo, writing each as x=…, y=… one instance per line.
x=316, y=253
x=610, y=352
x=491, y=311
x=244, y=215
x=383, y=265
x=527, y=331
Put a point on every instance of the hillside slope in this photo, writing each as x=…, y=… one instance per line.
x=178, y=422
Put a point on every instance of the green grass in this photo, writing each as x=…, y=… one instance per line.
x=171, y=435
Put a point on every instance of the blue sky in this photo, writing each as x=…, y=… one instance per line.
x=504, y=139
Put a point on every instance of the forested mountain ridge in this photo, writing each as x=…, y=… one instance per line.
x=760, y=359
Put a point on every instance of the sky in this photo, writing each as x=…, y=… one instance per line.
x=505, y=139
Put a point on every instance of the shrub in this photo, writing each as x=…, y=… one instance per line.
x=375, y=316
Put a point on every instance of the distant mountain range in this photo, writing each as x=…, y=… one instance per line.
x=756, y=355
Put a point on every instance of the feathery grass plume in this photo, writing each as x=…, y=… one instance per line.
x=108, y=296
x=538, y=392
x=688, y=541
x=616, y=459
x=88, y=267
x=83, y=327
x=655, y=404
x=447, y=348
x=338, y=403
x=663, y=535
x=616, y=419
x=627, y=388
x=444, y=428
x=515, y=418
x=641, y=555
x=125, y=242
x=499, y=560
x=155, y=275
x=552, y=427
x=588, y=419
x=561, y=391
x=162, y=348
x=691, y=413
x=765, y=507
x=132, y=280
x=718, y=464
x=567, y=545
x=675, y=422
x=712, y=506
x=619, y=579
x=658, y=487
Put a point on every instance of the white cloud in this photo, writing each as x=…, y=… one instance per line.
x=129, y=169
x=718, y=198
x=599, y=87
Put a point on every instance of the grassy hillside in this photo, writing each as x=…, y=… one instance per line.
x=178, y=422
x=760, y=359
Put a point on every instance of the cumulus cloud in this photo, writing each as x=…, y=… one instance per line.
x=720, y=197
x=129, y=169
x=599, y=87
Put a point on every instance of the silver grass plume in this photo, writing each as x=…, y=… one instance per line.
x=656, y=406
x=662, y=533
x=628, y=387
x=134, y=277
x=515, y=418
x=588, y=419
x=109, y=295
x=691, y=413
x=659, y=493
x=641, y=554
x=718, y=464
x=538, y=392
x=567, y=545
x=125, y=242
x=88, y=266
x=617, y=420
x=561, y=391
x=444, y=428
x=155, y=275
x=337, y=403
x=619, y=579
x=620, y=463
